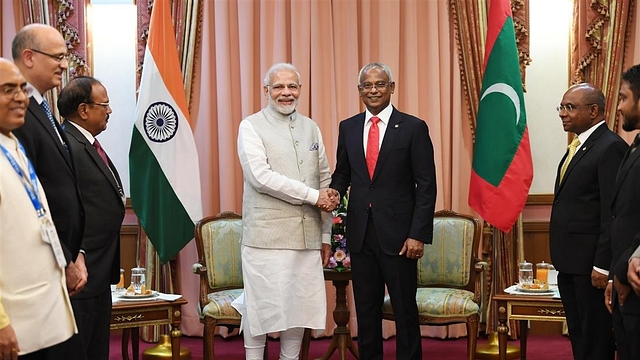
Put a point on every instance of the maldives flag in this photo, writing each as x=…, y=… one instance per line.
x=502, y=166
x=163, y=162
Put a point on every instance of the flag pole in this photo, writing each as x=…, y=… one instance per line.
x=491, y=350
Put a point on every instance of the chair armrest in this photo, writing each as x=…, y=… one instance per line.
x=480, y=266
x=198, y=269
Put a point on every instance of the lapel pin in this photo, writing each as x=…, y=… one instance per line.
x=397, y=126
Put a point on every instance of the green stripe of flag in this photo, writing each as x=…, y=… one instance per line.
x=154, y=201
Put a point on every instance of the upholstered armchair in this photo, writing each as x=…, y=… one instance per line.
x=450, y=276
x=219, y=266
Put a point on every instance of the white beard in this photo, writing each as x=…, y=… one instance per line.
x=283, y=109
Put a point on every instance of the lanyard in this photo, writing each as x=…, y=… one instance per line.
x=30, y=185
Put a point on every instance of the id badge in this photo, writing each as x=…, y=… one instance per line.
x=50, y=236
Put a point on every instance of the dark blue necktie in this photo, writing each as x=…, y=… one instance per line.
x=47, y=110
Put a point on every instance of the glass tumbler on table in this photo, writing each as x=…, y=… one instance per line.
x=525, y=273
x=542, y=274
x=138, y=279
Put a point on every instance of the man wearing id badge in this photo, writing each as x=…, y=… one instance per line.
x=36, y=318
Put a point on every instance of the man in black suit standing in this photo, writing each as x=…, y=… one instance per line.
x=40, y=53
x=580, y=220
x=84, y=103
x=386, y=157
x=625, y=227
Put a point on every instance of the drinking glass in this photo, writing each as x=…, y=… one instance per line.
x=138, y=279
x=525, y=273
x=542, y=274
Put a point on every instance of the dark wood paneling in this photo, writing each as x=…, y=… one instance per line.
x=536, y=249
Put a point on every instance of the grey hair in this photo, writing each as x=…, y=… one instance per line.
x=375, y=65
x=278, y=67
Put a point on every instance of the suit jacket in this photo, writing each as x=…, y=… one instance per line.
x=625, y=225
x=402, y=193
x=581, y=211
x=54, y=165
x=101, y=189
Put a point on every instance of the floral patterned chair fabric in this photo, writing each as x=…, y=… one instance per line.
x=219, y=265
x=449, y=276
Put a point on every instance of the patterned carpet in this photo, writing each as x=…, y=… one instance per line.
x=538, y=348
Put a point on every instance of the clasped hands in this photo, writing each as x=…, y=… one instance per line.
x=328, y=200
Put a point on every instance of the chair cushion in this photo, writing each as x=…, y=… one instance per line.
x=219, y=306
x=440, y=302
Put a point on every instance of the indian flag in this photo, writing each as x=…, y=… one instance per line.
x=163, y=162
x=502, y=166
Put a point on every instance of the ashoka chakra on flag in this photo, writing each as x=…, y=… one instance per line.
x=160, y=122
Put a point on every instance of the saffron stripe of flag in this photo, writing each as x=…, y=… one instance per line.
x=163, y=161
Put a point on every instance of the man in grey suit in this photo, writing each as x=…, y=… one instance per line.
x=580, y=220
x=84, y=103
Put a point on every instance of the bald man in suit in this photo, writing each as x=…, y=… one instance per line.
x=580, y=220
x=40, y=52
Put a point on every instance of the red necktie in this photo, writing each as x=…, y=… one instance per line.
x=101, y=152
x=373, y=143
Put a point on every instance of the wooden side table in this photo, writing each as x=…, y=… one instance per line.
x=129, y=316
x=341, y=339
x=524, y=308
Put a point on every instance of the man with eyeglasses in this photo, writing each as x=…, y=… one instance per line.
x=84, y=103
x=580, y=220
x=40, y=52
x=386, y=159
x=35, y=312
x=286, y=176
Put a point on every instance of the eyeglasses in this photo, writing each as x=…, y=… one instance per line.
x=379, y=85
x=13, y=91
x=103, y=104
x=59, y=58
x=571, y=107
x=280, y=87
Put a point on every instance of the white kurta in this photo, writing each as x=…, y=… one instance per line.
x=33, y=291
x=284, y=164
x=279, y=293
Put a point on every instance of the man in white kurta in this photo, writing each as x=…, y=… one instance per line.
x=35, y=311
x=286, y=235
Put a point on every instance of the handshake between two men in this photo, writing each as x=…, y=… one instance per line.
x=328, y=200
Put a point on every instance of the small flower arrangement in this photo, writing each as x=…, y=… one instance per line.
x=340, y=258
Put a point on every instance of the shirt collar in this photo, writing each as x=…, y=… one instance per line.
x=83, y=131
x=583, y=136
x=384, y=115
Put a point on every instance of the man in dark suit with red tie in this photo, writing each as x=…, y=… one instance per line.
x=580, y=219
x=386, y=158
x=84, y=103
x=40, y=52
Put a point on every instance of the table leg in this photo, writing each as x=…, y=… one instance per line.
x=175, y=341
x=135, y=342
x=341, y=335
x=524, y=331
x=125, y=343
x=503, y=329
